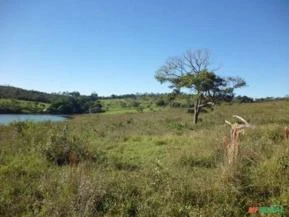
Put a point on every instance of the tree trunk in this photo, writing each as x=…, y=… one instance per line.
x=196, y=111
x=196, y=115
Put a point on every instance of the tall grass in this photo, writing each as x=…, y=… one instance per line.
x=144, y=164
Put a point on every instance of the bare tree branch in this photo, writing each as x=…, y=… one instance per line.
x=208, y=103
x=197, y=60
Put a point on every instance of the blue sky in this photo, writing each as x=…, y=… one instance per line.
x=115, y=47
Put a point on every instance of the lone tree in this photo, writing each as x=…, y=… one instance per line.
x=191, y=71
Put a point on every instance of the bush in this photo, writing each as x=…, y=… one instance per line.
x=135, y=104
x=63, y=149
x=161, y=102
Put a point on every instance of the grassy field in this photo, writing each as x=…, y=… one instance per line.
x=145, y=164
x=122, y=106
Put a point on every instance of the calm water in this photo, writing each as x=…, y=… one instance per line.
x=6, y=119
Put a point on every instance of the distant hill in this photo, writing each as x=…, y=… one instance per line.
x=9, y=92
x=17, y=100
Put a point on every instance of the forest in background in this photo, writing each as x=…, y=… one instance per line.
x=15, y=100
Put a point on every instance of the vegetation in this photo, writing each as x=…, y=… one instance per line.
x=9, y=92
x=13, y=106
x=145, y=164
x=192, y=71
x=17, y=100
x=75, y=104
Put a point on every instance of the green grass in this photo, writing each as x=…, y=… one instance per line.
x=122, y=106
x=144, y=164
x=22, y=106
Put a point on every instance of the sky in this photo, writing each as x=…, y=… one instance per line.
x=115, y=47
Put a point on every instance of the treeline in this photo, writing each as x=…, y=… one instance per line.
x=134, y=96
x=30, y=101
x=167, y=98
x=9, y=92
x=55, y=103
x=246, y=99
x=173, y=99
x=74, y=103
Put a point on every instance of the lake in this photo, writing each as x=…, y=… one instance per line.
x=9, y=118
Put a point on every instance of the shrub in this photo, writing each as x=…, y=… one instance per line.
x=161, y=102
x=63, y=149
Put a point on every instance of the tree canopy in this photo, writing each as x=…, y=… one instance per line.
x=192, y=71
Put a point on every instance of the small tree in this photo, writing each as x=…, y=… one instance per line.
x=192, y=71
